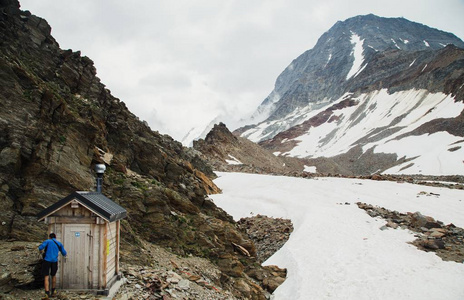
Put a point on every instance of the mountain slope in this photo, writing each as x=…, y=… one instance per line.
x=366, y=79
x=227, y=152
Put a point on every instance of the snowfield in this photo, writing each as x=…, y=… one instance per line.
x=336, y=250
x=380, y=121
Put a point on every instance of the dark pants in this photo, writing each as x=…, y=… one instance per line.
x=47, y=266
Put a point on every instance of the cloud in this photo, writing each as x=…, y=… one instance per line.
x=179, y=64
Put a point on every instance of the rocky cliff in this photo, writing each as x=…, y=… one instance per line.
x=57, y=120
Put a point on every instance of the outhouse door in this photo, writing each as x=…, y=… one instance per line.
x=76, y=266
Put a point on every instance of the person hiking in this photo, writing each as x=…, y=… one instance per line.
x=51, y=248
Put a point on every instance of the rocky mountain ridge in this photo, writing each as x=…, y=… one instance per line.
x=221, y=143
x=57, y=120
x=363, y=94
x=331, y=68
x=229, y=153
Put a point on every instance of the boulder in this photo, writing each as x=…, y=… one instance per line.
x=242, y=286
x=418, y=220
x=433, y=244
x=272, y=283
x=230, y=265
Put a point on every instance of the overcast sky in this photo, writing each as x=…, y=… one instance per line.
x=180, y=64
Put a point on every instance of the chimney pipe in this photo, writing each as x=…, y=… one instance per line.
x=100, y=169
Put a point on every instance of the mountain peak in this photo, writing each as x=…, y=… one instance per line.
x=320, y=74
x=354, y=61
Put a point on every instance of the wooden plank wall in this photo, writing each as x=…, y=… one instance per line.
x=118, y=236
x=102, y=257
x=95, y=254
x=81, y=211
x=111, y=251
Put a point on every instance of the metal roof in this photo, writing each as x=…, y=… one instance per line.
x=96, y=202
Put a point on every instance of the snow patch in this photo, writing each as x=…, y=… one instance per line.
x=412, y=63
x=426, y=44
x=277, y=153
x=310, y=169
x=436, y=158
x=396, y=45
x=298, y=116
x=358, y=55
x=233, y=161
x=424, y=68
x=374, y=112
x=328, y=60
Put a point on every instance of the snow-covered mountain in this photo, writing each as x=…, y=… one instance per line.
x=372, y=89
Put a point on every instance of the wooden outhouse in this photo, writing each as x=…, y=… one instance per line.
x=88, y=225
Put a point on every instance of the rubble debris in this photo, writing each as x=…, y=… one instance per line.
x=447, y=241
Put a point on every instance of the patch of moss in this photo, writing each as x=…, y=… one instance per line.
x=118, y=181
x=28, y=95
x=139, y=185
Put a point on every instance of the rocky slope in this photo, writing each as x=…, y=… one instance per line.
x=227, y=152
x=269, y=234
x=368, y=83
x=57, y=120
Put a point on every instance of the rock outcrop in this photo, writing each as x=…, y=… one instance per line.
x=447, y=241
x=227, y=152
x=268, y=234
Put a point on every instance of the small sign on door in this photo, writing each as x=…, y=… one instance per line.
x=77, y=234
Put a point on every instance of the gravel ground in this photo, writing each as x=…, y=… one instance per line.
x=167, y=277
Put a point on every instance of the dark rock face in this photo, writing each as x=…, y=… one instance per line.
x=57, y=120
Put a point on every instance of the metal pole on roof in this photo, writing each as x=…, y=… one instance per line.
x=99, y=169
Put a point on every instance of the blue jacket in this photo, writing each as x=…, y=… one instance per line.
x=52, y=250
